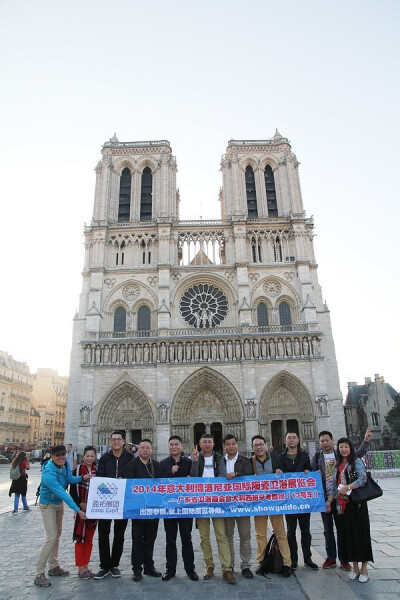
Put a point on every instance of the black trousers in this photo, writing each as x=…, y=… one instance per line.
x=304, y=523
x=144, y=533
x=185, y=530
x=107, y=562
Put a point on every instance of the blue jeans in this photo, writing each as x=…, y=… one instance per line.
x=16, y=502
x=330, y=543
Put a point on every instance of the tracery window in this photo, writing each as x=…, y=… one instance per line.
x=256, y=250
x=143, y=319
x=124, y=207
x=146, y=196
x=120, y=319
x=262, y=315
x=203, y=306
x=251, y=196
x=285, y=317
x=271, y=192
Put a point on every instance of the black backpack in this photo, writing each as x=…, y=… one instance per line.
x=272, y=561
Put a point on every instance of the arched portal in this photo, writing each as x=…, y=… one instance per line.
x=286, y=403
x=124, y=407
x=207, y=399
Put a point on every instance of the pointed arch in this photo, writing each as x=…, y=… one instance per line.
x=251, y=195
x=146, y=195
x=124, y=205
x=127, y=407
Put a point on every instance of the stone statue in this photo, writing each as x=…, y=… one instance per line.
x=210, y=318
x=85, y=411
x=98, y=354
x=316, y=346
x=238, y=350
x=122, y=354
x=296, y=347
x=188, y=352
x=114, y=354
x=146, y=353
x=246, y=349
x=264, y=350
x=171, y=352
x=251, y=409
x=196, y=351
x=106, y=355
x=272, y=350
x=288, y=348
x=180, y=352
x=229, y=350
x=163, y=352
x=205, y=350
x=130, y=353
x=305, y=347
x=154, y=353
x=221, y=350
x=88, y=354
x=198, y=318
x=255, y=349
x=163, y=413
x=281, y=349
x=213, y=351
x=139, y=353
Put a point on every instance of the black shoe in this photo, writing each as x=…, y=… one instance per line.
x=115, y=572
x=294, y=566
x=311, y=565
x=192, y=575
x=259, y=571
x=137, y=576
x=167, y=576
x=152, y=572
x=286, y=571
x=101, y=574
x=247, y=573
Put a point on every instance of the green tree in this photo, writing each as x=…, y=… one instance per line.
x=393, y=416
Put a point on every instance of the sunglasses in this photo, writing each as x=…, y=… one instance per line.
x=58, y=454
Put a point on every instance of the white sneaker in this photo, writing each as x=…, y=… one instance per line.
x=363, y=578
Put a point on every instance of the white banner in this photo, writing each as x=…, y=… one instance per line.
x=106, y=498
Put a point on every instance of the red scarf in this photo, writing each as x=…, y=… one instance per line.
x=342, y=500
x=82, y=489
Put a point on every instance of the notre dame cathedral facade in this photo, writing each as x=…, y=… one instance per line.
x=187, y=327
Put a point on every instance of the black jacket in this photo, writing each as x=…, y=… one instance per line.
x=243, y=466
x=135, y=469
x=275, y=462
x=110, y=466
x=187, y=468
x=300, y=464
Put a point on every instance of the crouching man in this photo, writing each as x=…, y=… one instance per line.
x=56, y=475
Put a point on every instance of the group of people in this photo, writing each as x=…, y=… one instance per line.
x=342, y=471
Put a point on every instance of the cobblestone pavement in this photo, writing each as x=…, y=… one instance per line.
x=22, y=536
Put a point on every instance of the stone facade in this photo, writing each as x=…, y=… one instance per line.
x=15, y=401
x=49, y=398
x=192, y=326
x=367, y=405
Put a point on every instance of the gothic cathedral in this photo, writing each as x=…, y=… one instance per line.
x=187, y=327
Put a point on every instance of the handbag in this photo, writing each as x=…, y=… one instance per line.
x=367, y=492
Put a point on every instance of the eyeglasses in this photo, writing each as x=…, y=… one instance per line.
x=116, y=439
x=58, y=454
x=258, y=445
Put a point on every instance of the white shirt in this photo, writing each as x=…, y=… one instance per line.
x=230, y=463
x=208, y=466
x=330, y=461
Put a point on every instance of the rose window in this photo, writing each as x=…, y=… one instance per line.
x=204, y=306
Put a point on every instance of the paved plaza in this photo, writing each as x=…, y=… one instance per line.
x=22, y=537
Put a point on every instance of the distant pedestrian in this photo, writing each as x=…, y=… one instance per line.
x=56, y=474
x=72, y=457
x=84, y=530
x=19, y=486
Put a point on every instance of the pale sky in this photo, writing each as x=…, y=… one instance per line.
x=326, y=74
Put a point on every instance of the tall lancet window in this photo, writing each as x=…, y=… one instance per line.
x=120, y=319
x=271, y=192
x=146, y=196
x=285, y=317
x=143, y=320
x=252, y=211
x=124, y=207
x=262, y=315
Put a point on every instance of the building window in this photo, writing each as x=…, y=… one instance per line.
x=277, y=250
x=146, y=202
x=143, y=319
x=285, y=318
x=262, y=315
x=124, y=207
x=120, y=319
x=256, y=250
x=375, y=420
x=271, y=192
x=252, y=211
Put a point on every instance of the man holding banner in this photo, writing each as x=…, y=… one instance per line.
x=176, y=465
x=264, y=463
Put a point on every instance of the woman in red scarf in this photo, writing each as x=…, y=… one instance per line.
x=353, y=522
x=84, y=530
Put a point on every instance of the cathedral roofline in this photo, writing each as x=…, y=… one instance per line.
x=277, y=140
x=114, y=143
